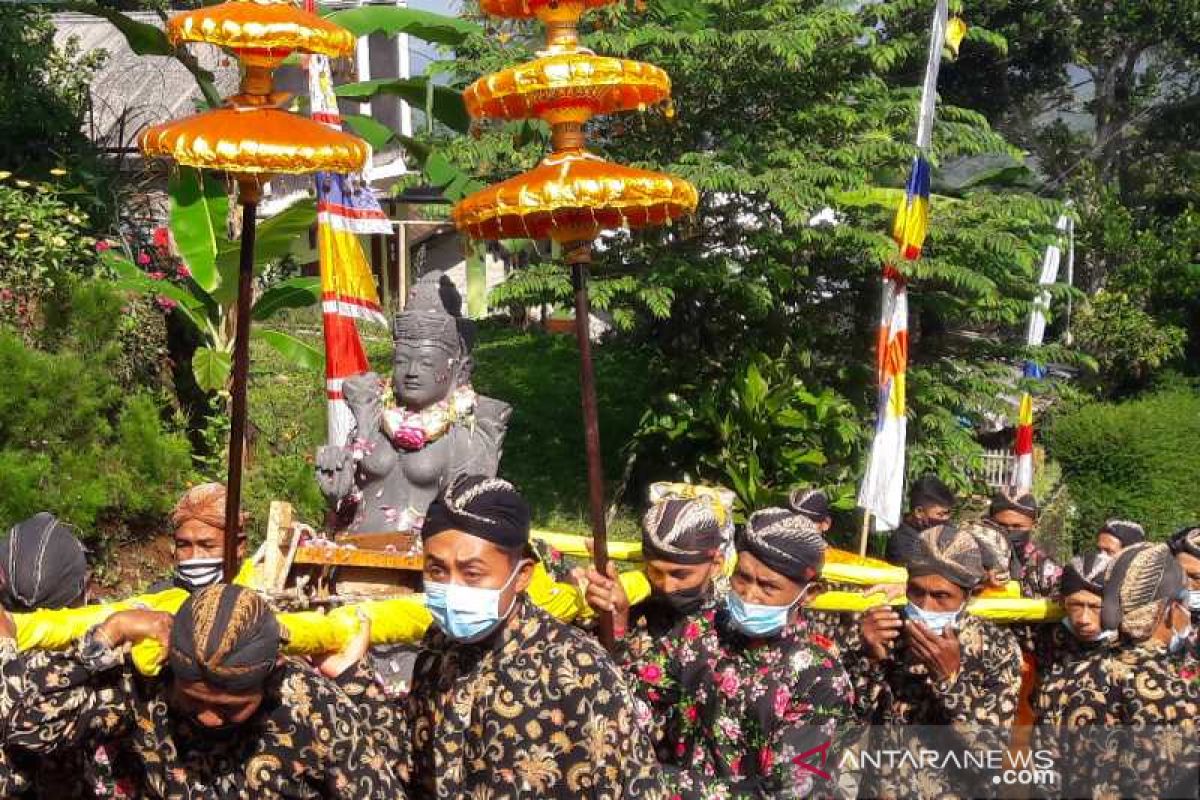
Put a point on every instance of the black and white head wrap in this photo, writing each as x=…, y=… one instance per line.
x=1186, y=540
x=1139, y=584
x=1124, y=531
x=1085, y=573
x=42, y=565
x=812, y=503
x=994, y=549
x=1008, y=500
x=489, y=508
x=950, y=552
x=225, y=636
x=787, y=542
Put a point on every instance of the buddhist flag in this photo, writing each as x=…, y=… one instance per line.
x=912, y=217
x=346, y=208
x=882, y=489
x=1022, y=477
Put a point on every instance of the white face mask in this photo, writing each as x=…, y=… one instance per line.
x=1194, y=599
x=196, y=573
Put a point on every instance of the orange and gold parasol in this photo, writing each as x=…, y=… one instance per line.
x=251, y=138
x=572, y=195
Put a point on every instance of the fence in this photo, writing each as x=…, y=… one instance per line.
x=997, y=469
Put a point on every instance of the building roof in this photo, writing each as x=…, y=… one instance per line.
x=130, y=91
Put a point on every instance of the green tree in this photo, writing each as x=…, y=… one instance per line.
x=789, y=121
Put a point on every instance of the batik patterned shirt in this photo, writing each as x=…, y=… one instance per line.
x=912, y=709
x=753, y=718
x=1123, y=724
x=537, y=711
x=305, y=741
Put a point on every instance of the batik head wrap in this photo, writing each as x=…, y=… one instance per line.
x=204, y=503
x=812, y=503
x=1085, y=573
x=1139, y=584
x=929, y=490
x=1124, y=531
x=225, y=636
x=950, y=552
x=787, y=542
x=994, y=550
x=1186, y=540
x=1022, y=503
x=42, y=565
x=687, y=524
x=489, y=508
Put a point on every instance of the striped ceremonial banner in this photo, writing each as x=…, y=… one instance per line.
x=882, y=489
x=346, y=208
x=1022, y=479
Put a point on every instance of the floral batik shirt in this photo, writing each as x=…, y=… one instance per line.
x=537, y=711
x=754, y=718
x=305, y=741
x=910, y=709
x=1123, y=725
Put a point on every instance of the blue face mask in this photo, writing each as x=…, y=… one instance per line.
x=757, y=620
x=936, y=621
x=467, y=613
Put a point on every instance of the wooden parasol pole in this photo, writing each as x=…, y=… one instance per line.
x=579, y=257
x=249, y=193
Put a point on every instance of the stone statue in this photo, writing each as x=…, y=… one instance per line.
x=401, y=453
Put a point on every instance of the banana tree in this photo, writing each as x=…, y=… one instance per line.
x=206, y=298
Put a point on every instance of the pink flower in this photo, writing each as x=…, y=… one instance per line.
x=736, y=766
x=692, y=631
x=183, y=272
x=158, y=276
x=651, y=673
x=143, y=258
x=680, y=748
x=782, y=696
x=692, y=714
x=765, y=760
x=6, y=295
x=161, y=237
x=409, y=438
x=103, y=245
x=727, y=682
x=165, y=303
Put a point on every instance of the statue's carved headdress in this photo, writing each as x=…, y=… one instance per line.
x=433, y=315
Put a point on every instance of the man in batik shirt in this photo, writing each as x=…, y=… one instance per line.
x=762, y=702
x=227, y=718
x=1016, y=515
x=1125, y=723
x=1185, y=545
x=1079, y=635
x=938, y=667
x=506, y=701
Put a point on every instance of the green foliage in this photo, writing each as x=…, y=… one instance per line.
x=44, y=250
x=43, y=91
x=787, y=113
x=77, y=442
x=759, y=431
x=1136, y=460
x=206, y=295
x=1128, y=343
x=424, y=25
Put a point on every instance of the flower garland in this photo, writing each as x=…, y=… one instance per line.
x=413, y=430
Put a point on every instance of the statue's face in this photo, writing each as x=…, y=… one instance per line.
x=423, y=374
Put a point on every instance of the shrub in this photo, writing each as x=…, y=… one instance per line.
x=76, y=441
x=1136, y=460
x=44, y=249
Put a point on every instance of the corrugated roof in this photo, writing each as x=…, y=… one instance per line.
x=130, y=91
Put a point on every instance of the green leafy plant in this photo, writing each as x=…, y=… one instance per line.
x=759, y=430
x=207, y=293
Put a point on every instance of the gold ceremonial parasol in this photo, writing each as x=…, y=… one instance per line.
x=252, y=138
x=572, y=195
